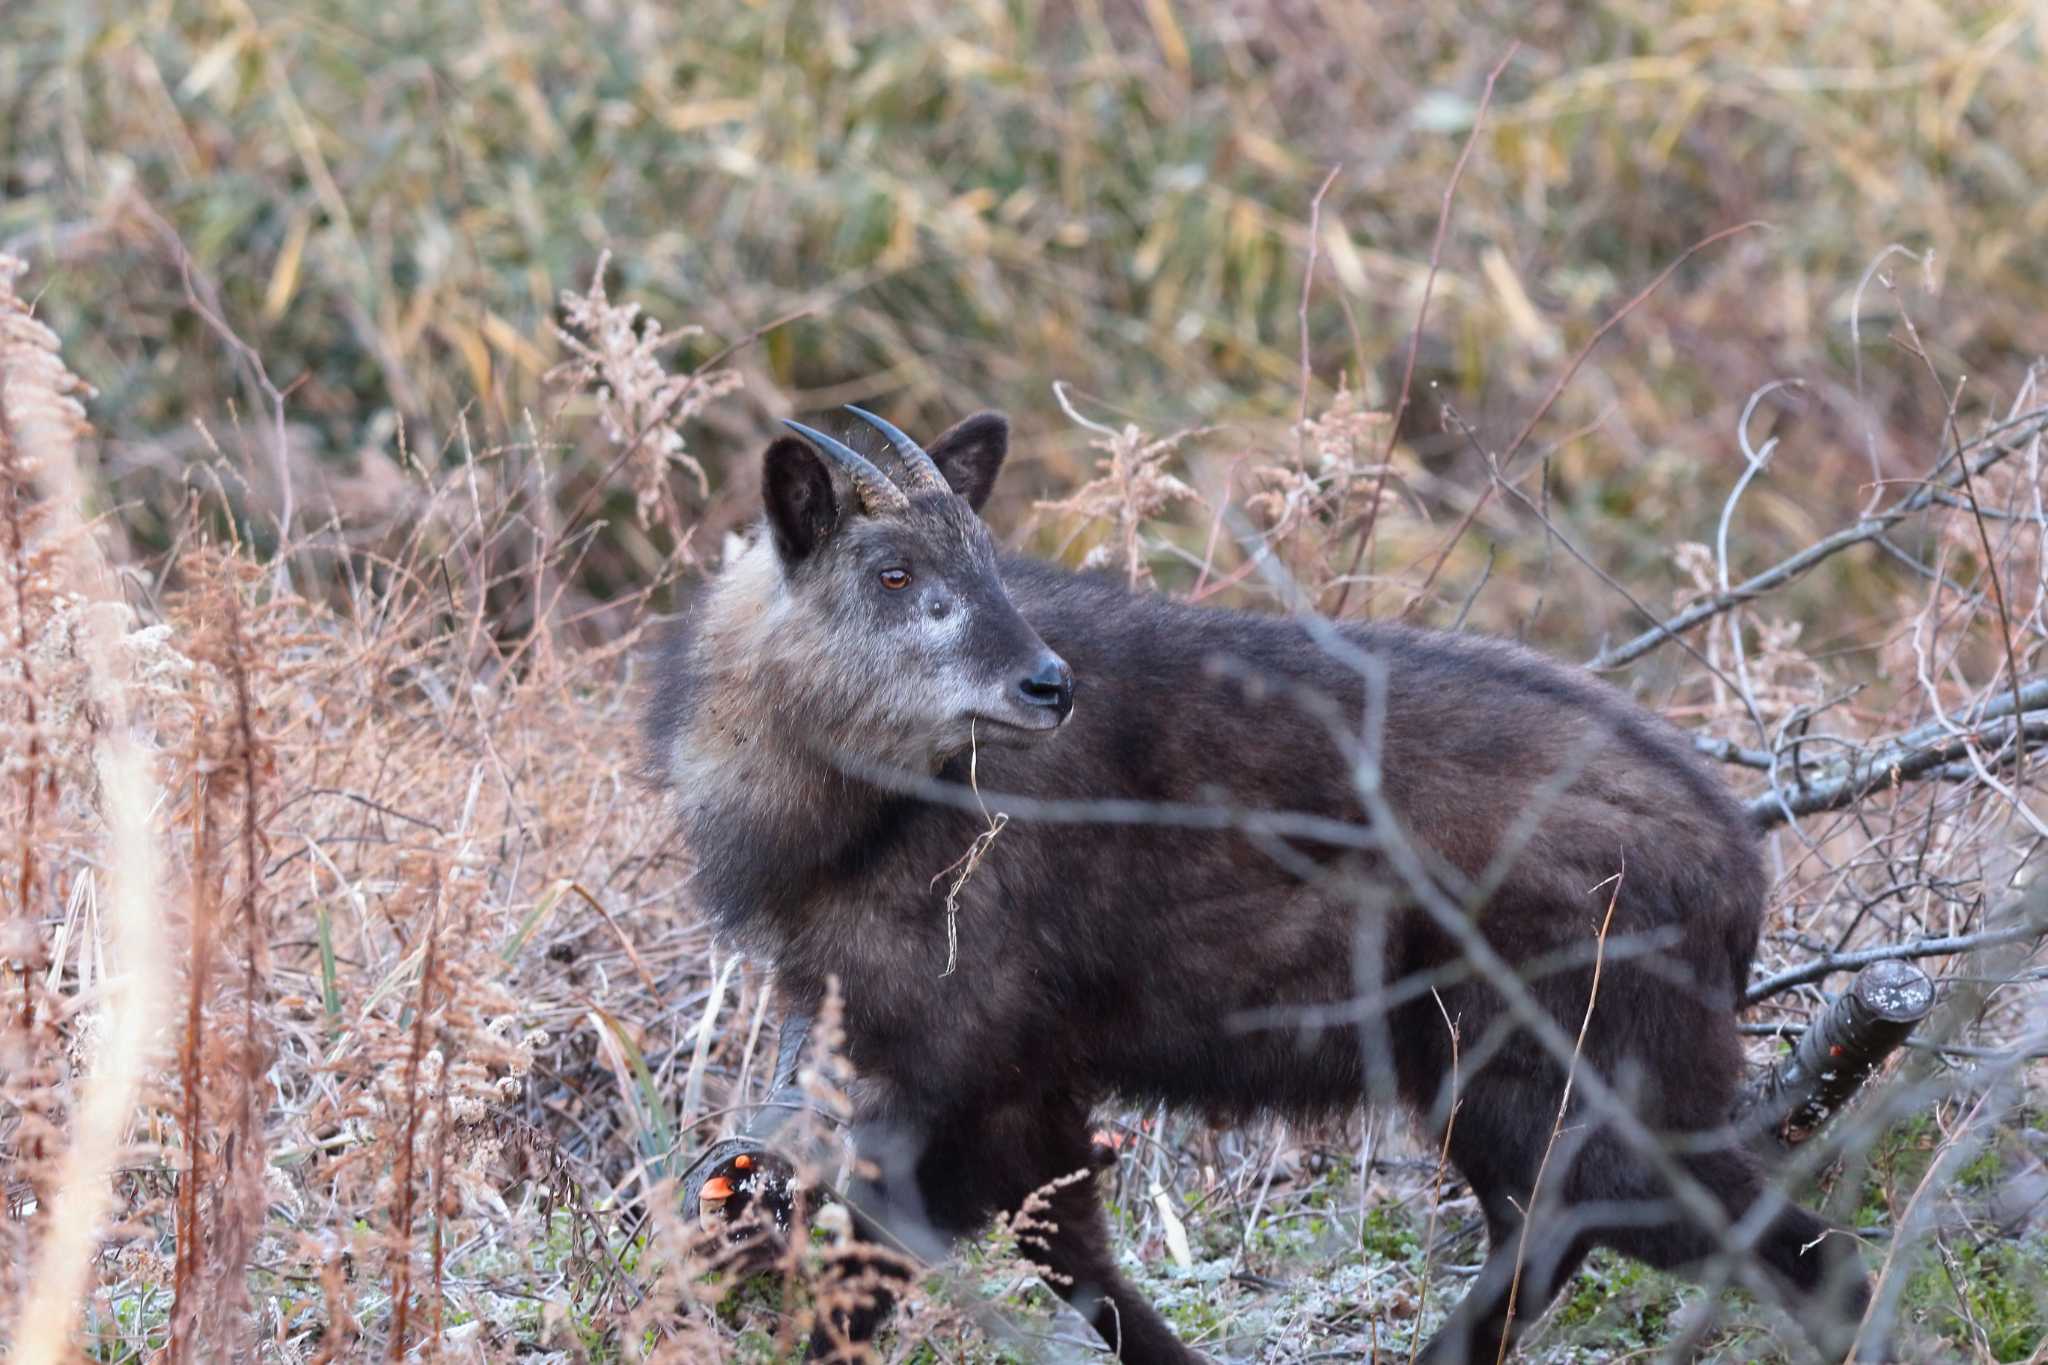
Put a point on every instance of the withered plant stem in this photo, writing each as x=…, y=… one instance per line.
x=16, y=492
x=1564, y=1101
x=1436, y=256
x=1436, y=1188
x=188, y=1235
x=401, y=1233
x=1556, y=391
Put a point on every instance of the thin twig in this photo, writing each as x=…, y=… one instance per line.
x=1308, y=281
x=1969, y=488
x=1443, y=1164
x=1792, y=566
x=1894, y=763
x=1436, y=254
x=1564, y=1101
x=209, y=310
x=1556, y=390
x=1921, y=947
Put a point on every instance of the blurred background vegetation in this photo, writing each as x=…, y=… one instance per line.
x=966, y=200
x=936, y=206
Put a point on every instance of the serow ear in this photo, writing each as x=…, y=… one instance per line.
x=796, y=488
x=970, y=453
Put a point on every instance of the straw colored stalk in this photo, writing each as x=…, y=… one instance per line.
x=40, y=414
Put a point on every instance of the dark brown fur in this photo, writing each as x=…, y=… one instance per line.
x=1147, y=962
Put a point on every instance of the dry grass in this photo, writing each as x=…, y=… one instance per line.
x=975, y=199
x=350, y=1006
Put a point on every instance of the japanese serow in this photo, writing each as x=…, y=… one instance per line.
x=1255, y=864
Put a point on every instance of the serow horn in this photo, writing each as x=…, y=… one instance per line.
x=877, y=495
x=920, y=474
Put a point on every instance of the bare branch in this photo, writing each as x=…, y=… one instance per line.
x=1915, y=755
x=1792, y=566
x=1891, y=952
x=1557, y=389
x=1436, y=253
x=204, y=299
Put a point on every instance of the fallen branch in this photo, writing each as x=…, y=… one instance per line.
x=1934, y=751
x=1900, y=761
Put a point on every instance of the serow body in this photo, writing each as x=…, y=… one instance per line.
x=1254, y=864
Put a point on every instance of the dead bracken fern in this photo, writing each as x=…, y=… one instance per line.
x=1132, y=486
x=1310, y=502
x=441, y=1044
x=357, y=869
x=617, y=354
x=68, y=691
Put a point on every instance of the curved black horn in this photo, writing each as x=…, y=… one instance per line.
x=877, y=495
x=918, y=470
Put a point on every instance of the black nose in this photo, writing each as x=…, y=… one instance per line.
x=1049, y=683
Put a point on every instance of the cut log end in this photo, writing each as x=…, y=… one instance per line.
x=1894, y=992
x=1841, y=1050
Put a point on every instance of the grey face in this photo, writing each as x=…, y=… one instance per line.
x=894, y=620
x=943, y=648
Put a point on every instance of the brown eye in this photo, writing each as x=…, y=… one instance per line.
x=895, y=580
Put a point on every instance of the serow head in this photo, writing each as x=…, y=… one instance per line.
x=912, y=645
